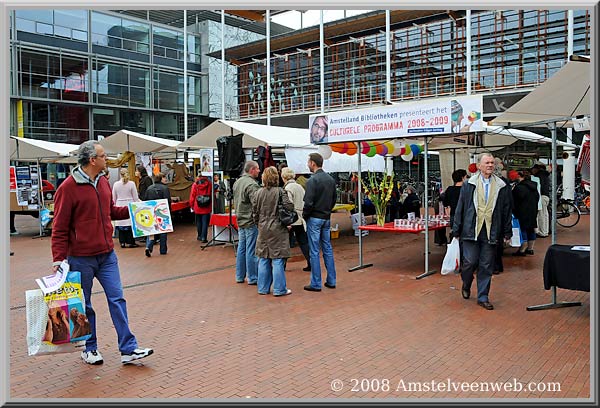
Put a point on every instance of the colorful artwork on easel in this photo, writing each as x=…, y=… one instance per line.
x=150, y=217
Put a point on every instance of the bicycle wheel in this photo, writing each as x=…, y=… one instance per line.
x=567, y=215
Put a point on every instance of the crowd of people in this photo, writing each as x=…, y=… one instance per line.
x=481, y=207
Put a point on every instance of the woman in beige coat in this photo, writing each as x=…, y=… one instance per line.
x=272, y=244
x=296, y=193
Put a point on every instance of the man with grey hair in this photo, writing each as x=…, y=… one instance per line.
x=244, y=188
x=482, y=221
x=82, y=234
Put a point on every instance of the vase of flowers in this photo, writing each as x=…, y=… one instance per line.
x=379, y=191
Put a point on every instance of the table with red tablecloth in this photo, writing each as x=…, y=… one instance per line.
x=222, y=220
x=389, y=227
x=179, y=205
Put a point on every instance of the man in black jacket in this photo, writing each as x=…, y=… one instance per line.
x=319, y=200
x=482, y=220
x=158, y=191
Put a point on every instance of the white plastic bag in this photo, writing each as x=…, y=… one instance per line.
x=37, y=318
x=356, y=218
x=451, y=262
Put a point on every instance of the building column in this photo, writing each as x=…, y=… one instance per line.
x=569, y=163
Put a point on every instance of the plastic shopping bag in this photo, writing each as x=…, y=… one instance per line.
x=515, y=240
x=451, y=262
x=56, y=322
x=358, y=220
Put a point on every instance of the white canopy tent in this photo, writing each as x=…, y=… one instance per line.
x=126, y=140
x=563, y=96
x=25, y=149
x=254, y=135
x=295, y=141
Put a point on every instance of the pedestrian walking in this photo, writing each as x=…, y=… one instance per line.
x=81, y=233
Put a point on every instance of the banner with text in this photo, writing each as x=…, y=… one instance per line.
x=459, y=114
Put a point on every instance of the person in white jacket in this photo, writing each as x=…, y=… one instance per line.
x=123, y=193
x=298, y=229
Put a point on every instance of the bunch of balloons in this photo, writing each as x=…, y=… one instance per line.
x=370, y=149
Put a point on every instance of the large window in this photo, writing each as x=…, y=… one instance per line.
x=109, y=121
x=56, y=123
x=167, y=43
x=110, y=84
x=53, y=76
x=116, y=32
x=71, y=24
x=168, y=91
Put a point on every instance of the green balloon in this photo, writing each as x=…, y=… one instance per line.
x=372, y=151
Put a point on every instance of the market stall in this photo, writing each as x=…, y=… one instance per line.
x=570, y=86
x=26, y=184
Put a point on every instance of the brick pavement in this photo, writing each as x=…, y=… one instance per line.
x=214, y=338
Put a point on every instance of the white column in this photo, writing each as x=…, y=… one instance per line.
x=268, y=23
x=322, y=61
x=389, y=161
x=569, y=164
x=185, y=77
x=388, y=60
x=223, y=65
x=468, y=46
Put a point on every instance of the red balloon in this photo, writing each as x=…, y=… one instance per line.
x=365, y=147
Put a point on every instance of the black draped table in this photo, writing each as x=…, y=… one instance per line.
x=567, y=268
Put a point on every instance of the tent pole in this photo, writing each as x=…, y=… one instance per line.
x=426, y=206
x=40, y=198
x=554, y=304
x=359, y=199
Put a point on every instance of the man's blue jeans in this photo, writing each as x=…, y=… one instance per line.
x=162, y=240
x=246, y=263
x=105, y=268
x=319, y=237
x=271, y=271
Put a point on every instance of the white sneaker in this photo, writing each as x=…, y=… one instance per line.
x=92, y=357
x=287, y=292
x=136, y=355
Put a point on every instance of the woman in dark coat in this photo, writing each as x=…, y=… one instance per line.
x=272, y=243
x=144, y=181
x=412, y=203
x=525, y=200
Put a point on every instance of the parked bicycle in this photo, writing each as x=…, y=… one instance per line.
x=567, y=213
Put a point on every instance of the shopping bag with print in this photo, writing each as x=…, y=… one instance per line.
x=56, y=321
x=515, y=240
x=451, y=262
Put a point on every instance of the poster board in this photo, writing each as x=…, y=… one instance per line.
x=150, y=217
x=458, y=114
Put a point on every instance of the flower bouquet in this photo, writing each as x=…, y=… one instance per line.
x=379, y=192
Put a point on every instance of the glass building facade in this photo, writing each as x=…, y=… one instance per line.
x=511, y=51
x=81, y=74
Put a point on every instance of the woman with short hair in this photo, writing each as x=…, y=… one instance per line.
x=272, y=243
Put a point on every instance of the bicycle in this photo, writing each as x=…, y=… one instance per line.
x=567, y=213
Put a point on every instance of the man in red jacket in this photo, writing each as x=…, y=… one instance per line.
x=82, y=234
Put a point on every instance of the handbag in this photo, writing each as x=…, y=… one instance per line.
x=287, y=217
x=202, y=200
